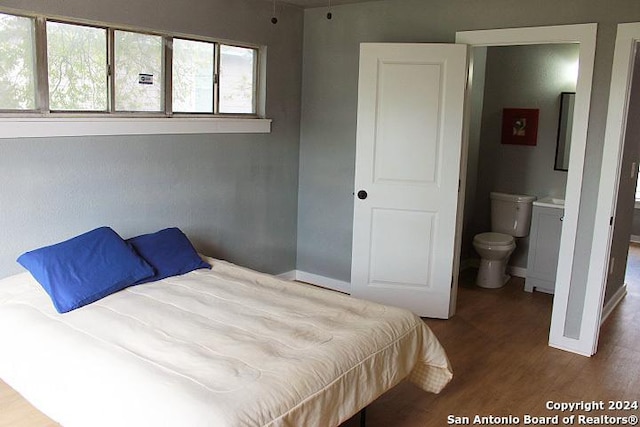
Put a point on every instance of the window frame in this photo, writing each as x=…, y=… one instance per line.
x=216, y=73
x=256, y=70
x=163, y=63
x=36, y=64
x=220, y=122
x=43, y=71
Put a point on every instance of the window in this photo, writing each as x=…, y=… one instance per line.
x=237, y=79
x=17, y=63
x=138, y=72
x=193, y=76
x=50, y=66
x=77, y=67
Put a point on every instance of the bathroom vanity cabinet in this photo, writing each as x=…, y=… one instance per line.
x=544, y=245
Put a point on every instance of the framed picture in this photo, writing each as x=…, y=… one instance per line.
x=520, y=126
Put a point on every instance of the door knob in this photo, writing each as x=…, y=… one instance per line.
x=362, y=194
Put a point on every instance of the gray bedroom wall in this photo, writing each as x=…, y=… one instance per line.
x=234, y=195
x=635, y=227
x=519, y=77
x=330, y=76
x=624, y=220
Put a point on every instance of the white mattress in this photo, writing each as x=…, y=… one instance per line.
x=225, y=347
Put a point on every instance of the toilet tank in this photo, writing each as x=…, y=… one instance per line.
x=511, y=213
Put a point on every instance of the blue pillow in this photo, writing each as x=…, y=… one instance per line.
x=169, y=252
x=85, y=268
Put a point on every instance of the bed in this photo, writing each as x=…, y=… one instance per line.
x=222, y=347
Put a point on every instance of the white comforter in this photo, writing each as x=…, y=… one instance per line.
x=226, y=347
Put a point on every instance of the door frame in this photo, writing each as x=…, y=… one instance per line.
x=585, y=36
x=627, y=38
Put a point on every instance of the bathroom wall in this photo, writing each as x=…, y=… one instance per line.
x=519, y=77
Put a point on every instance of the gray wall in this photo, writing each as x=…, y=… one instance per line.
x=234, y=195
x=519, y=77
x=330, y=75
x=469, y=225
x=626, y=189
x=635, y=227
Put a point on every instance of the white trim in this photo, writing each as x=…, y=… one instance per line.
x=573, y=346
x=288, y=275
x=621, y=74
x=526, y=35
x=585, y=35
x=613, y=302
x=325, y=282
x=634, y=238
x=316, y=279
x=32, y=127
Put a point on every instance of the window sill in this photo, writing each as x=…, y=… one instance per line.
x=41, y=127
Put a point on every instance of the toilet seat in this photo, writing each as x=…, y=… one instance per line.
x=493, y=239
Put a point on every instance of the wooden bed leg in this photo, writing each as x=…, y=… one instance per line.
x=363, y=417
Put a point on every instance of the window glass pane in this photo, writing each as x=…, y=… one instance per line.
x=17, y=63
x=138, y=72
x=237, y=79
x=192, y=76
x=77, y=64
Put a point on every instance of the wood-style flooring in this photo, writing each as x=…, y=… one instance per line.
x=497, y=344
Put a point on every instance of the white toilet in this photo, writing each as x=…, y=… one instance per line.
x=510, y=217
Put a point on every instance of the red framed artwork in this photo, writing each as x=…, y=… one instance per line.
x=520, y=126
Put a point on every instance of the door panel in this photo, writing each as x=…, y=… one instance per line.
x=407, y=124
x=399, y=248
x=409, y=134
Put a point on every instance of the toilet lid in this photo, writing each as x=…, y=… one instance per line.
x=493, y=239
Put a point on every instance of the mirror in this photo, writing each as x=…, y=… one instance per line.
x=563, y=147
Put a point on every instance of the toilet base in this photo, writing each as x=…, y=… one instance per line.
x=491, y=274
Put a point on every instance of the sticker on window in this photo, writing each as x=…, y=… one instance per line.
x=145, y=79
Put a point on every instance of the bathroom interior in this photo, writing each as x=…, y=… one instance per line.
x=534, y=77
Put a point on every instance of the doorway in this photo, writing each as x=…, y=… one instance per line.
x=532, y=77
x=585, y=36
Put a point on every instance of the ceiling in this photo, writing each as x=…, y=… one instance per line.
x=318, y=3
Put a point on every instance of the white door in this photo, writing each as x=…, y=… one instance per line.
x=408, y=147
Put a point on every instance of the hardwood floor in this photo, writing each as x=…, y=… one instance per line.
x=17, y=412
x=497, y=344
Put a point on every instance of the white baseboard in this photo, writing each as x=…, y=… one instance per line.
x=634, y=239
x=613, y=302
x=288, y=275
x=341, y=286
x=316, y=279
